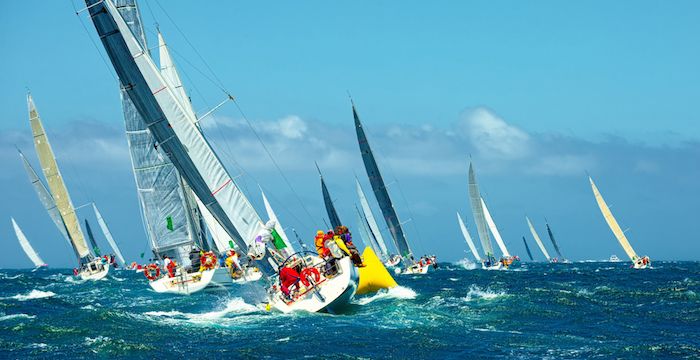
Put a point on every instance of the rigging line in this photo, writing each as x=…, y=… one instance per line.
x=273, y=160
x=87, y=32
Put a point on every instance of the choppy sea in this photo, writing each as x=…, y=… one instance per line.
x=554, y=311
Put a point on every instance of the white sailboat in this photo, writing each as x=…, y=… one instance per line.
x=489, y=261
x=176, y=133
x=108, y=236
x=27, y=247
x=468, y=238
x=90, y=268
x=537, y=239
x=506, y=258
x=637, y=261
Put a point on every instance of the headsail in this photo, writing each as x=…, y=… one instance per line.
x=328, y=202
x=94, y=249
x=527, y=248
x=368, y=216
x=537, y=238
x=478, y=211
x=28, y=249
x=554, y=242
x=108, y=235
x=612, y=223
x=289, y=249
x=468, y=237
x=161, y=196
x=494, y=230
x=56, y=185
x=380, y=192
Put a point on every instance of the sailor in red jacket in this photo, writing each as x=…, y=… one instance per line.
x=288, y=278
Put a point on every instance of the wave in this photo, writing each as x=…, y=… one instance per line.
x=398, y=292
x=476, y=293
x=34, y=294
x=466, y=264
x=16, y=316
x=235, y=306
x=4, y=276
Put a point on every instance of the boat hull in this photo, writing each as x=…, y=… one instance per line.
x=183, y=283
x=98, y=272
x=416, y=269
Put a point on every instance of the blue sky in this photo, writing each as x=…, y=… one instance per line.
x=537, y=92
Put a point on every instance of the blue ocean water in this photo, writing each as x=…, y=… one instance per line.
x=579, y=310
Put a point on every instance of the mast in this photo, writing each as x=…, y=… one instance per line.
x=494, y=230
x=56, y=185
x=28, y=249
x=527, y=248
x=478, y=211
x=380, y=192
x=612, y=223
x=537, y=238
x=108, y=235
x=328, y=201
x=468, y=237
x=371, y=221
x=554, y=242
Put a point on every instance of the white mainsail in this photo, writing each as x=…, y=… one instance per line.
x=612, y=223
x=478, y=212
x=28, y=249
x=289, y=250
x=468, y=237
x=537, y=238
x=108, y=235
x=494, y=230
x=371, y=221
x=55, y=181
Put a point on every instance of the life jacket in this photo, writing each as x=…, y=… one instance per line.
x=319, y=242
x=288, y=276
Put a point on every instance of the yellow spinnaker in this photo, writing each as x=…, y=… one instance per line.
x=614, y=226
x=374, y=276
x=55, y=181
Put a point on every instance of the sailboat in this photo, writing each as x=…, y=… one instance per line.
x=527, y=248
x=507, y=259
x=637, y=261
x=537, y=239
x=489, y=261
x=90, y=267
x=27, y=247
x=367, y=216
x=178, y=137
x=411, y=266
x=560, y=257
x=468, y=239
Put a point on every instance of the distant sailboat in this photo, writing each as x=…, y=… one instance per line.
x=489, y=261
x=328, y=202
x=638, y=262
x=28, y=249
x=527, y=248
x=537, y=239
x=108, y=236
x=468, y=238
x=507, y=259
x=561, y=258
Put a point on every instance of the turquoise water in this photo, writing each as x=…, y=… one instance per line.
x=579, y=310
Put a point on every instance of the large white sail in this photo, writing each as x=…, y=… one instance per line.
x=278, y=227
x=537, y=238
x=468, y=237
x=612, y=223
x=108, y=235
x=28, y=249
x=55, y=181
x=478, y=211
x=222, y=240
x=371, y=221
x=494, y=230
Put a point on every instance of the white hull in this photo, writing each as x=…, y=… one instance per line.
x=497, y=266
x=330, y=294
x=100, y=271
x=416, y=269
x=183, y=283
x=393, y=262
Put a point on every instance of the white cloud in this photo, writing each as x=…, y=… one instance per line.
x=493, y=137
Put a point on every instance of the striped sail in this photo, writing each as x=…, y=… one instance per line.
x=46, y=200
x=26, y=246
x=174, y=129
x=537, y=238
x=328, y=202
x=289, y=249
x=467, y=237
x=478, y=211
x=108, y=235
x=55, y=181
x=527, y=248
x=494, y=230
x=554, y=242
x=380, y=192
x=612, y=223
x=371, y=222
x=161, y=196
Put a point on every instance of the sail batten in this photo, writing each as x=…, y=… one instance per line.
x=467, y=237
x=26, y=246
x=537, y=238
x=478, y=212
x=380, y=191
x=612, y=223
x=494, y=230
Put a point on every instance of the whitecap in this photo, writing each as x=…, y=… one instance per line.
x=466, y=264
x=398, y=292
x=233, y=306
x=476, y=293
x=34, y=294
x=16, y=316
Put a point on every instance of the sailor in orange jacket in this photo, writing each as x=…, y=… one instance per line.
x=320, y=243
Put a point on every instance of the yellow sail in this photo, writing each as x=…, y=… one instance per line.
x=614, y=226
x=55, y=181
x=373, y=276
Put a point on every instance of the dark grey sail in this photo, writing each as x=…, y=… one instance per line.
x=328, y=201
x=554, y=242
x=380, y=192
x=527, y=248
x=93, y=244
